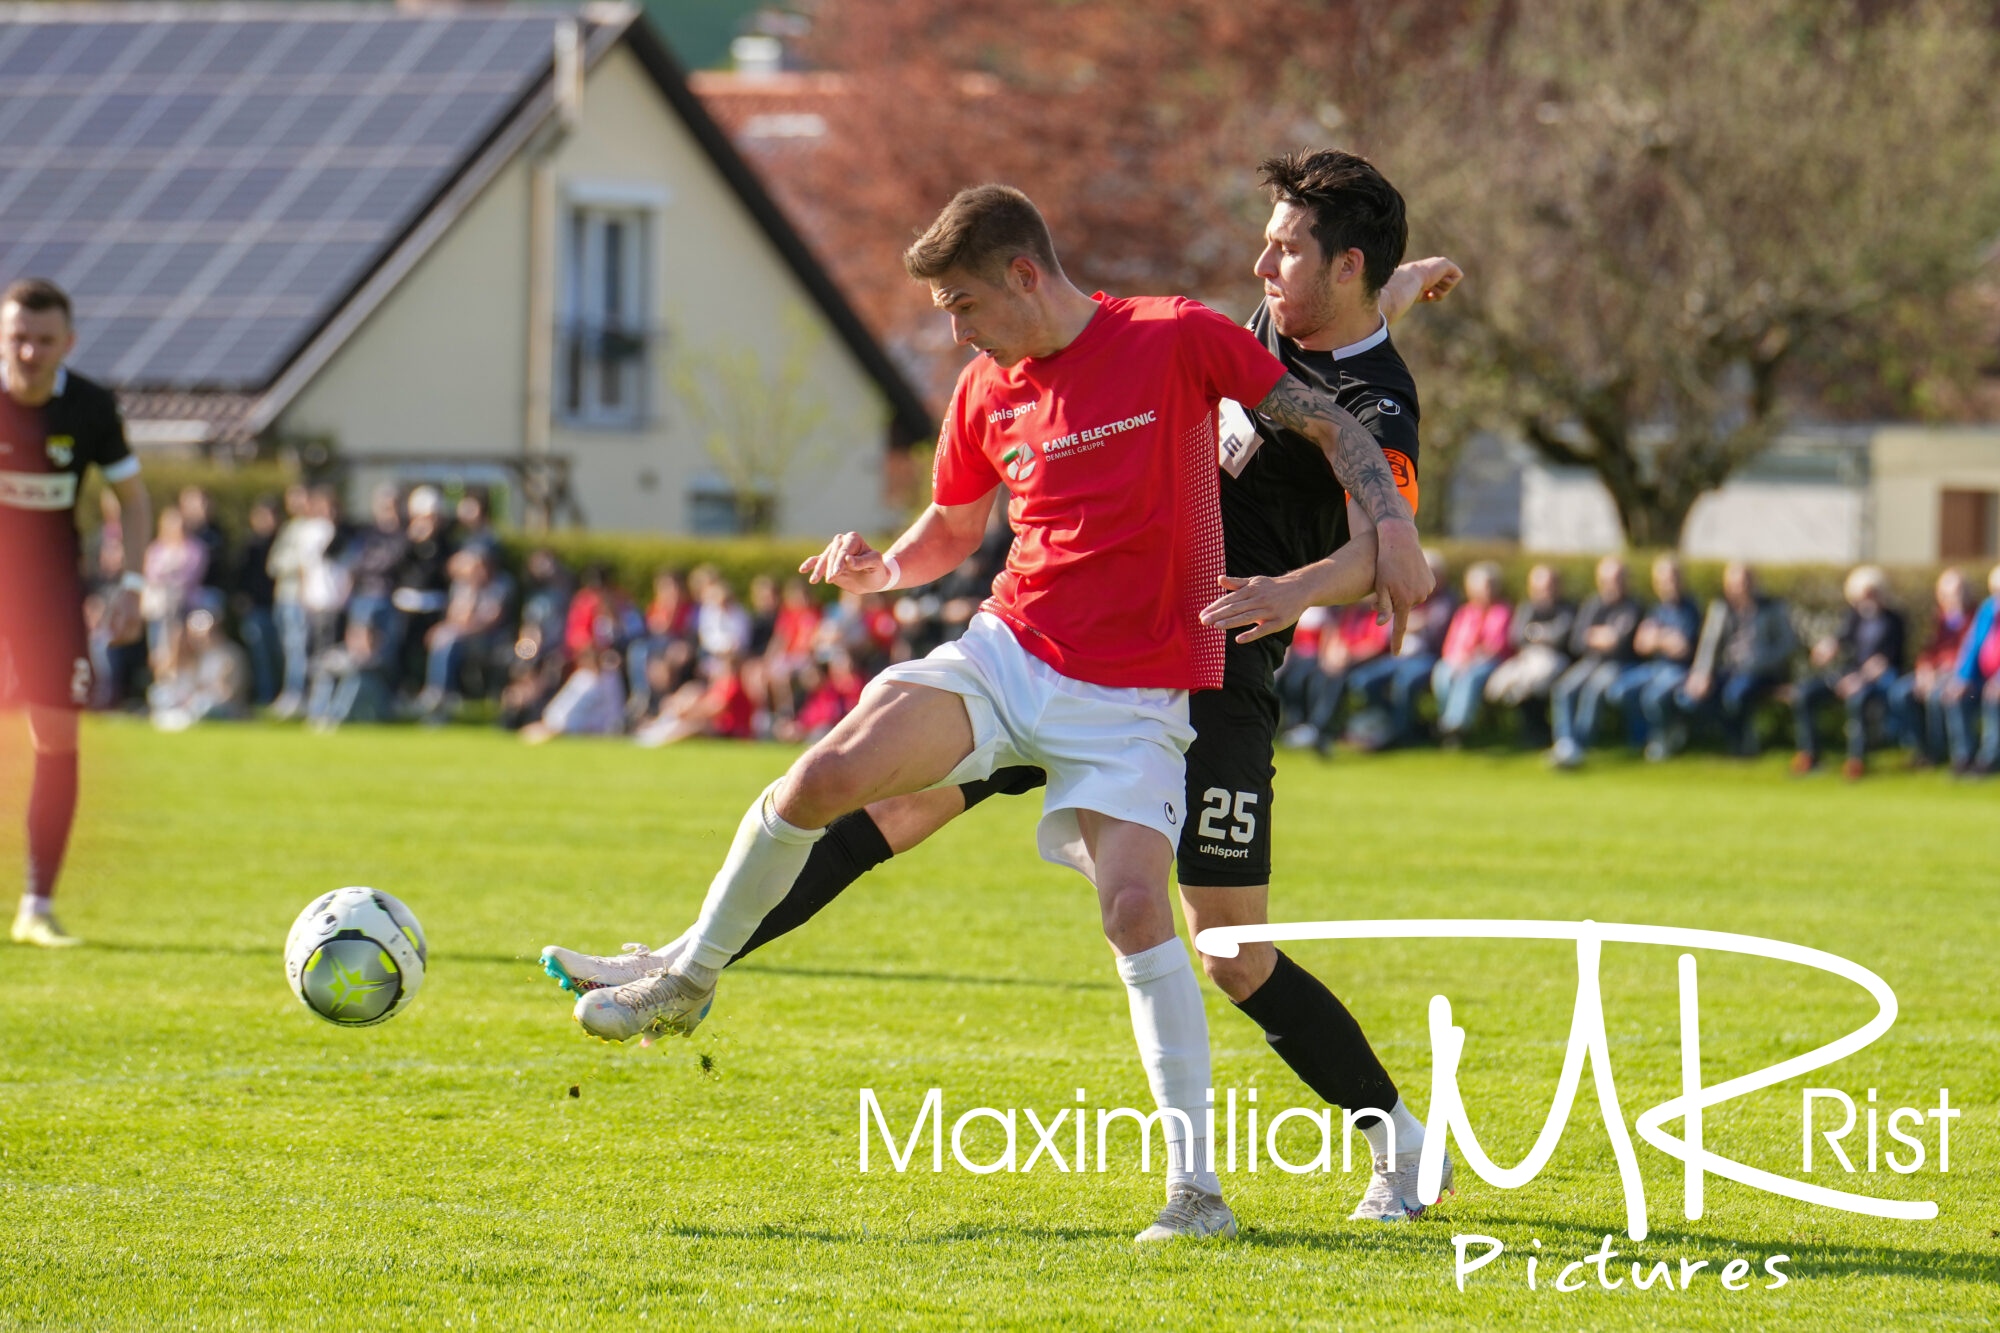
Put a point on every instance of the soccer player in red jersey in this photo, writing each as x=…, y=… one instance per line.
x=53, y=424
x=1097, y=415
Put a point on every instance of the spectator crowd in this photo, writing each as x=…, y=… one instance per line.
x=414, y=613
x=1656, y=676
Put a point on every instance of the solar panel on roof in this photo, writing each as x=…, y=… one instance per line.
x=176, y=169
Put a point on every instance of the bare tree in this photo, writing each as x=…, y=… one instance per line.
x=1671, y=212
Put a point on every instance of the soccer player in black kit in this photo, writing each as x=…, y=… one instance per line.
x=54, y=424
x=1332, y=284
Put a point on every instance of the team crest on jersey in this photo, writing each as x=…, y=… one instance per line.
x=62, y=450
x=1020, y=462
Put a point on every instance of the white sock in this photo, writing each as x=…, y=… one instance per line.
x=34, y=904
x=1409, y=1131
x=762, y=864
x=1172, y=1031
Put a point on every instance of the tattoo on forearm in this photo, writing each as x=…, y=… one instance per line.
x=1358, y=462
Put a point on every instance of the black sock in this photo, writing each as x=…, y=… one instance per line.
x=852, y=847
x=1018, y=781
x=1313, y=1033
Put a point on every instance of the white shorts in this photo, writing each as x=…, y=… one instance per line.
x=1118, y=751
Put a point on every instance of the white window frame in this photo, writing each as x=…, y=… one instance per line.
x=604, y=345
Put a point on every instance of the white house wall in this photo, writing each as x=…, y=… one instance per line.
x=440, y=367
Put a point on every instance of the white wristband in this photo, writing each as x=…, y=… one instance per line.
x=895, y=571
x=131, y=582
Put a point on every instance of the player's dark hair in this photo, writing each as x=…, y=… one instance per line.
x=37, y=294
x=1353, y=207
x=982, y=230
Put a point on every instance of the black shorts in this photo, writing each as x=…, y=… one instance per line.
x=44, y=654
x=1227, y=841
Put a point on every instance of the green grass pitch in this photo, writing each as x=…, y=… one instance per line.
x=183, y=1146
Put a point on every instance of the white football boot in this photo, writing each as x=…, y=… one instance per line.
x=1190, y=1214
x=581, y=973
x=1392, y=1192
x=39, y=928
x=654, y=1005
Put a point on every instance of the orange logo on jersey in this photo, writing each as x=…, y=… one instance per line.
x=1405, y=474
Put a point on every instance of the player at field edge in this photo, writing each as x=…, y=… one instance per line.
x=1195, y=1201
x=54, y=423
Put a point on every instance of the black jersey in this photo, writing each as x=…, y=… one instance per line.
x=43, y=453
x=1281, y=506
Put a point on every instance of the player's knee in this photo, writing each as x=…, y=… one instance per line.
x=1239, y=977
x=818, y=789
x=1136, y=916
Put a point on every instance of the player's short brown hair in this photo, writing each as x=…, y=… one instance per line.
x=37, y=294
x=1353, y=207
x=982, y=230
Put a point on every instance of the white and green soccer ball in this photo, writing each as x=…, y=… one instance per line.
x=356, y=957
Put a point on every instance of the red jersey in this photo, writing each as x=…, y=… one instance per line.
x=1107, y=450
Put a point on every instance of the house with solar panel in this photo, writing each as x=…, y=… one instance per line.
x=502, y=245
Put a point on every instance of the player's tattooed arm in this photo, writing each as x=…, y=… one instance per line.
x=1402, y=577
x=1357, y=460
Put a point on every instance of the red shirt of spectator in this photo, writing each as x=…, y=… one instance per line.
x=1477, y=632
x=735, y=711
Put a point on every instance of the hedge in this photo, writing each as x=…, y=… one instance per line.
x=1815, y=590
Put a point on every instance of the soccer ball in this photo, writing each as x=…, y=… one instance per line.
x=356, y=957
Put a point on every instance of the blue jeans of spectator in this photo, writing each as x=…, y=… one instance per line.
x=1926, y=722
x=1460, y=688
x=1628, y=694
x=1407, y=678
x=1732, y=697
x=351, y=696
x=441, y=668
x=1297, y=680
x=259, y=631
x=1815, y=692
x=1575, y=696
x=295, y=640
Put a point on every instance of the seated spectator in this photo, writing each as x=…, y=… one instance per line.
x=198, y=521
x=1600, y=649
x=721, y=625
x=831, y=693
x=790, y=650
x=474, y=629
x=1858, y=665
x=532, y=681
x=1743, y=657
x=1975, y=685
x=545, y=598
x=665, y=651
x=599, y=615
x=1664, y=646
x=353, y=681
x=1397, y=680
x=210, y=679
x=720, y=704
x=175, y=564
x=1919, y=697
x=375, y=559
x=590, y=703
x=1293, y=678
x=1349, y=641
x=422, y=583
x=251, y=601
x=1475, y=643
x=1540, y=632
x=475, y=526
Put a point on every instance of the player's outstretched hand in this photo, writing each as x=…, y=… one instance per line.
x=1402, y=576
x=1267, y=605
x=848, y=562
